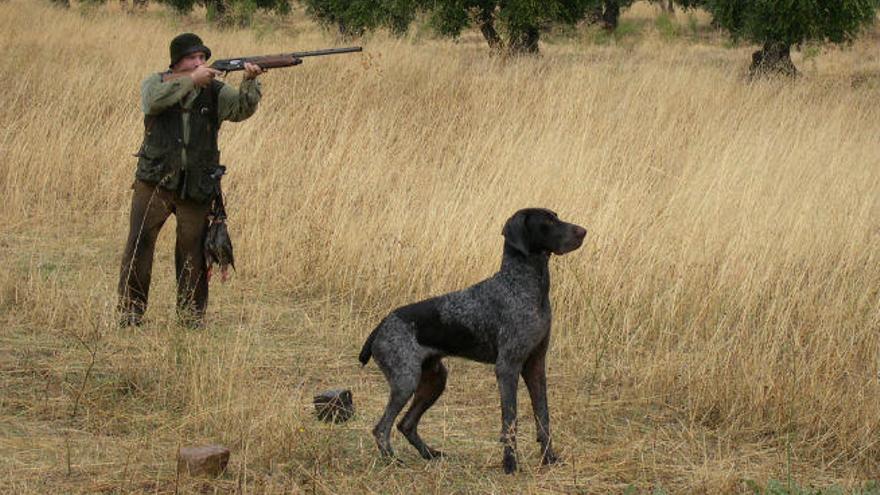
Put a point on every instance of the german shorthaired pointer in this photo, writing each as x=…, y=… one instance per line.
x=503, y=320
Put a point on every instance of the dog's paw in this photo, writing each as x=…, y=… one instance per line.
x=550, y=458
x=509, y=464
x=433, y=454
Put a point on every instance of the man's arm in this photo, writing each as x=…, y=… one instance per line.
x=237, y=105
x=156, y=96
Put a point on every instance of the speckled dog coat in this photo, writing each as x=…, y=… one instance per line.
x=503, y=320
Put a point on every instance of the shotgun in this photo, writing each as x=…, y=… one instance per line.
x=275, y=61
x=266, y=61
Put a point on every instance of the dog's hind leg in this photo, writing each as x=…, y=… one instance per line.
x=403, y=384
x=431, y=386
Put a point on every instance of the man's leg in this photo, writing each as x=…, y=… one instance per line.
x=149, y=210
x=189, y=260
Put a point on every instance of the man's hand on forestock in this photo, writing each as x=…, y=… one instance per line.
x=251, y=71
x=203, y=75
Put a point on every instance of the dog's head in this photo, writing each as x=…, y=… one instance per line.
x=538, y=230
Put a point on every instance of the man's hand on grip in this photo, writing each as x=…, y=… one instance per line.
x=203, y=75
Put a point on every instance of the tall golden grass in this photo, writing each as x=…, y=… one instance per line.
x=721, y=323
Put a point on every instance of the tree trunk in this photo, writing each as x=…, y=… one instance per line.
x=348, y=33
x=140, y=5
x=216, y=10
x=486, y=21
x=611, y=15
x=773, y=59
x=524, y=41
x=669, y=7
x=594, y=14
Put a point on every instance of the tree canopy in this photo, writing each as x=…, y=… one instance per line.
x=514, y=25
x=778, y=25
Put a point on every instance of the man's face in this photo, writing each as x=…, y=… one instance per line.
x=190, y=62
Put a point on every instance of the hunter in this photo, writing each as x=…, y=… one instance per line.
x=177, y=173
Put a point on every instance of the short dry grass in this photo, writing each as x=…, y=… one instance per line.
x=721, y=323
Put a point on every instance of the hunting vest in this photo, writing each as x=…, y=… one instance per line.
x=160, y=159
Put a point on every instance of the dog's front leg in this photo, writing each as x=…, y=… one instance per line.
x=508, y=379
x=535, y=375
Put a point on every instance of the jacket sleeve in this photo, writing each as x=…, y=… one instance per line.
x=236, y=105
x=156, y=96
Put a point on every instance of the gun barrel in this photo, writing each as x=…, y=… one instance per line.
x=327, y=51
x=274, y=61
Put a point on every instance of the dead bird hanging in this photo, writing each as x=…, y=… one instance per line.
x=218, y=244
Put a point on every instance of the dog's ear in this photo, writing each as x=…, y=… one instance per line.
x=516, y=233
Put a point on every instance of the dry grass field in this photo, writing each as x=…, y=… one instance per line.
x=719, y=330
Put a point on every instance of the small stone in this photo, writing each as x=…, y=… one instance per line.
x=209, y=460
x=334, y=405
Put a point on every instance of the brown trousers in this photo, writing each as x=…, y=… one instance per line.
x=150, y=207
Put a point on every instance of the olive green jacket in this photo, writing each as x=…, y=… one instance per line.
x=181, y=123
x=234, y=105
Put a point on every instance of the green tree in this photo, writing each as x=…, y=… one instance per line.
x=220, y=10
x=353, y=18
x=778, y=25
x=607, y=12
x=668, y=6
x=512, y=25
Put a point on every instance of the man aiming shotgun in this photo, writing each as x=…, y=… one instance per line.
x=178, y=169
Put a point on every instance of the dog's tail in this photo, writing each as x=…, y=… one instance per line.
x=367, y=349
